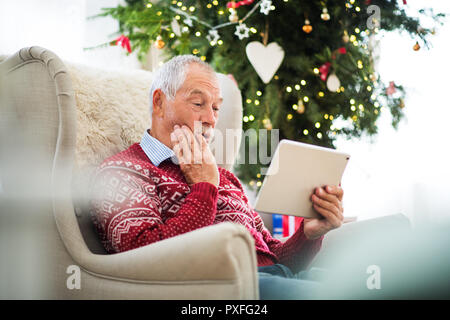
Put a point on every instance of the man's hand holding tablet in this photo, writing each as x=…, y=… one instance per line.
x=328, y=203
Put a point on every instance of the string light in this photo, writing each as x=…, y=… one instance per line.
x=321, y=94
x=305, y=98
x=288, y=89
x=297, y=87
x=289, y=116
x=317, y=125
x=256, y=102
x=258, y=93
x=303, y=83
x=305, y=132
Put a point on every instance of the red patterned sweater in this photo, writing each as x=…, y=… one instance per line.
x=135, y=203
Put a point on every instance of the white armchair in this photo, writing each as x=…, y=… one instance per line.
x=58, y=121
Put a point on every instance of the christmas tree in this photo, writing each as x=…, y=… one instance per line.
x=305, y=67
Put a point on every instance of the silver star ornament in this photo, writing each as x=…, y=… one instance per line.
x=242, y=31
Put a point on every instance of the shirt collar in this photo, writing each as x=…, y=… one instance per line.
x=155, y=150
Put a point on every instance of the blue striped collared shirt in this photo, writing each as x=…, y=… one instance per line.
x=155, y=150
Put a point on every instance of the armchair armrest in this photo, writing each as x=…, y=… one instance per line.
x=222, y=252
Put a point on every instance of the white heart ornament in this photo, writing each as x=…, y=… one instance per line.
x=265, y=59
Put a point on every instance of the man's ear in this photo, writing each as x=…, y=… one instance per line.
x=158, y=102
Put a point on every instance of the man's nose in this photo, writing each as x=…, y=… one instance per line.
x=209, y=117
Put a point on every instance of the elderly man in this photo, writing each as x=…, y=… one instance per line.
x=169, y=184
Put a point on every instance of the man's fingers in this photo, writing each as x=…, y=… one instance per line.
x=330, y=206
x=198, y=152
x=337, y=191
x=178, y=152
x=186, y=155
x=188, y=134
x=327, y=196
x=331, y=218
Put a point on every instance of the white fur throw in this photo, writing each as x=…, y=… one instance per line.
x=112, y=111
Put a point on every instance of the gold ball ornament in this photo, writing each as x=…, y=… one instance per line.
x=267, y=123
x=307, y=28
x=301, y=107
x=416, y=47
x=345, y=37
x=159, y=42
x=325, y=16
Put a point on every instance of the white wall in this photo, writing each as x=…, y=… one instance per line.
x=408, y=170
x=61, y=26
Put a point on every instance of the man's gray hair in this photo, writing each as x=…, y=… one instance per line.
x=170, y=77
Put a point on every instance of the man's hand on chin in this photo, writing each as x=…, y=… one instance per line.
x=328, y=203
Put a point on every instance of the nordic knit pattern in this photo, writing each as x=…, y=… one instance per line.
x=135, y=203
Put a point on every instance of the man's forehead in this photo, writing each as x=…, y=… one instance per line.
x=200, y=91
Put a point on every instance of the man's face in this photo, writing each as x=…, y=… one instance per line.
x=198, y=99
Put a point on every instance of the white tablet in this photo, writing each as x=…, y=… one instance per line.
x=295, y=171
